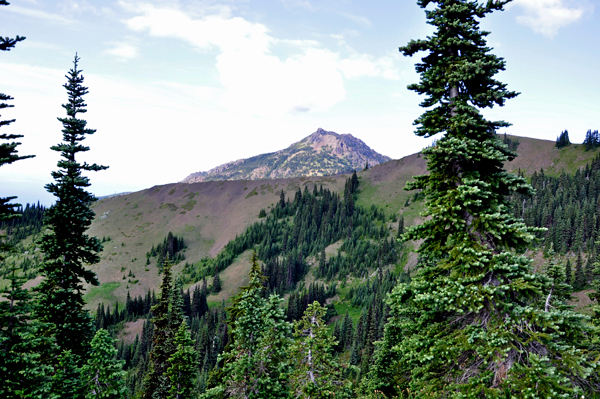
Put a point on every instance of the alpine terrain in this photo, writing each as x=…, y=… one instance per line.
x=323, y=153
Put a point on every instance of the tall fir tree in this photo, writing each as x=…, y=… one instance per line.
x=8, y=150
x=103, y=374
x=156, y=381
x=67, y=249
x=471, y=322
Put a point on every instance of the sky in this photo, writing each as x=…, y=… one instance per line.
x=180, y=86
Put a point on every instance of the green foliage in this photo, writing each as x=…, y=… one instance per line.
x=156, y=383
x=592, y=140
x=171, y=248
x=568, y=206
x=182, y=371
x=563, y=140
x=22, y=346
x=68, y=250
x=316, y=372
x=103, y=375
x=255, y=364
x=66, y=380
x=471, y=322
x=296, y=231
x=216, y=285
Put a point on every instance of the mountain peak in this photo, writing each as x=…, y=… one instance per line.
x=320, y=154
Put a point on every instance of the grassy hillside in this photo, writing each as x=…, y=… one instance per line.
x=210, y=214
x=207, y=215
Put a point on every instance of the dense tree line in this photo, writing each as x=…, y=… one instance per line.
x=296, y=232
x=29, y=222
x=568, y=206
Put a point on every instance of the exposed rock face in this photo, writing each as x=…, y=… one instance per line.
x=320, y=154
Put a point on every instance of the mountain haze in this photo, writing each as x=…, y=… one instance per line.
x=323, y=153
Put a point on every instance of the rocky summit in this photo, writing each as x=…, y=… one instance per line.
x=322, y=153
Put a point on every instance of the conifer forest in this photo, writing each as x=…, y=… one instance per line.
x=328, y=308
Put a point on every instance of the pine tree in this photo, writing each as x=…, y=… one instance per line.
x=470, y=323
x=103, y=374
x=579, y=281
x=8, y=151
x=568, y=272
x=156, y=382
x=66, y=247
x=216, y=285
x=316, y=372
x=182, y=370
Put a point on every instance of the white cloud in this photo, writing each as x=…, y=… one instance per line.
x=39, y=14
x=123, y=51
x=548, y=16
x=254, y=78
x=357, y=18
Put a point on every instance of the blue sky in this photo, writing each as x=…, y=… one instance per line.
x=183, y=86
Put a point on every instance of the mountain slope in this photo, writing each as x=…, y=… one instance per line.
x=322, y=153
x=210, y=214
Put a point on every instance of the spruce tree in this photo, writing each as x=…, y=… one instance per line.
x=471, y=322
x=182, y=369
x=156, y=382
x=580, y=279
x=67, y=249
x=317, y=373
x=568, y=272
x=216, y=285
x=103, y=374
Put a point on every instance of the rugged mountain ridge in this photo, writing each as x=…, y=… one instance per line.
x=323, y=153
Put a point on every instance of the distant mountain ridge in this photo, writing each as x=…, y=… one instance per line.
x=323, y=153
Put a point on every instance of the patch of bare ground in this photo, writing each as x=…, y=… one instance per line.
x=232, y=278
x=581, y=300
x=332, y=249
x=131, y=330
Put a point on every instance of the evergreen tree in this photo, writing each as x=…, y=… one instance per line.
x=216, y=285
x=558, y=289
x=103, y=374
x=182, y=370
x=579, y=281
x=470, y=323
x=8, y=151
x=568, y=272
x=66, y=380
x=66, y=247
x=156, y=382
x=254, y=363
x=563, y=140
x=22, y=347
x=316, y=372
